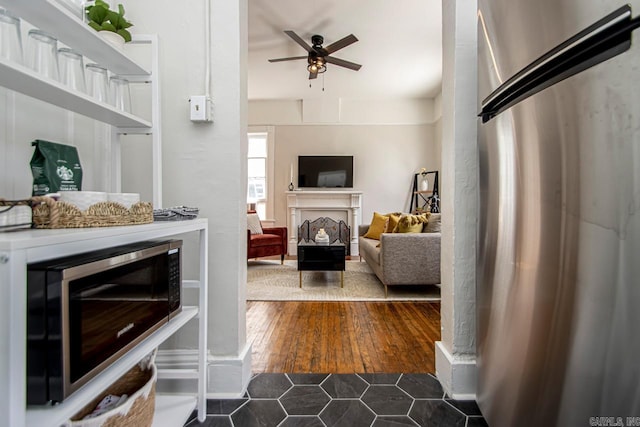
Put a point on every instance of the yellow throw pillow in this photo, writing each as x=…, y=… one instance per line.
x=393, y=222
x=377, y=226
x=412, y=223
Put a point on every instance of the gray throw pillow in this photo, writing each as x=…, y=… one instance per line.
x=433, y=226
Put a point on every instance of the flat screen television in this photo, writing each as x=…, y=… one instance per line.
x=325, y=171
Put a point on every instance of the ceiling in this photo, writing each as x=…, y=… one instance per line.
x=399, y=47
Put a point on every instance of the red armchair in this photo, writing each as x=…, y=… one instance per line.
x=267, y=241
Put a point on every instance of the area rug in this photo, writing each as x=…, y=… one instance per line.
x=270, y=281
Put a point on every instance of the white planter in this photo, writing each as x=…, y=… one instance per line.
x=113, y=38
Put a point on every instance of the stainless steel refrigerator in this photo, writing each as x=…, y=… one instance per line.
x=558, y=265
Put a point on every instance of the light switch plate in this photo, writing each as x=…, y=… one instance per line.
x=200, y=107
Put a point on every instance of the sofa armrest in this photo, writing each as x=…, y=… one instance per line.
x=362, y=229
x=410, y=258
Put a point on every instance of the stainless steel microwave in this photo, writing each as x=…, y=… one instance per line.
x=85, y=311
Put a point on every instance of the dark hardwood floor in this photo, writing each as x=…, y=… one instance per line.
x=343, y=337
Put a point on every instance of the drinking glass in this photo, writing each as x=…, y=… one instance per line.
x=120, y=93
x=74, y=6
x=98, y=82
x=43, y=49
x=10, y=38
x=71, y=69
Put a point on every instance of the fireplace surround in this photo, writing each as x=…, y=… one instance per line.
x=345, y=205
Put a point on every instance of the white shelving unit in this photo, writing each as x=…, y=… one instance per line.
x=49, y=16
x=28, y=82
x=17, y=249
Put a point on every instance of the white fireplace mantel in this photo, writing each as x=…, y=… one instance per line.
x=345, y=205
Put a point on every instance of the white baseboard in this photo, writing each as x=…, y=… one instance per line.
x=227, y=377
x=457, y=374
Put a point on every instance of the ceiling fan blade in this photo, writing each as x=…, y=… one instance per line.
x=290, y=58
x=344, y=42
x=298, y=40
x=342, y=63
x=313, y=76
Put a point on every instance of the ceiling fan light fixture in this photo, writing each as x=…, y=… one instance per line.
x=317, y=67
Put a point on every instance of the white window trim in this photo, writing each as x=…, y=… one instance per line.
x=270, y=172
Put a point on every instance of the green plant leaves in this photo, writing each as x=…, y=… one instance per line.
x=126, y=35
x=95, y=26
x=102, y=18
x=107, y=26
x=98, y=14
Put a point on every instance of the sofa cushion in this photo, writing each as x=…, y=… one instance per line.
x=369, y=250
x=434, y=225
x=265, y=240
x=253, y=223
x=377, y=226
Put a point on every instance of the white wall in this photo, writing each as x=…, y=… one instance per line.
x=205, y=165
x=390, y=141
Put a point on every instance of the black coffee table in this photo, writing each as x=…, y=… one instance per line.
x=321, y=257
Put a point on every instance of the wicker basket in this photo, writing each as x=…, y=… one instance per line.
x=48, y=213
x=140, y=385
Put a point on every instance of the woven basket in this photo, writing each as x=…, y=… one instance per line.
x=48, y=213
x=140, y=385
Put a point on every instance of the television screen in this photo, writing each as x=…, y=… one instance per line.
x=325, y=171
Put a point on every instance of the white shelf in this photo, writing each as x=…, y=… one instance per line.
x=70, y=30
x=26, y=81
x=173, y=410
x=57, y=415
x=37, y=238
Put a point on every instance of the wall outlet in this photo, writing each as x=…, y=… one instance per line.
x=200, y=107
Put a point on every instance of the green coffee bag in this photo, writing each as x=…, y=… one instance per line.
x=55, y=167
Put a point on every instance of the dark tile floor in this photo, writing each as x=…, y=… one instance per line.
x=349, y=400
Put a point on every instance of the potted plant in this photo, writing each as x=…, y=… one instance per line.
x=109, y=23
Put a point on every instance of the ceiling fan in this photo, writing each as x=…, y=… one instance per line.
x=319, y=56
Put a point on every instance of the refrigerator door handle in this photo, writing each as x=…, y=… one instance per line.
x=601, y=41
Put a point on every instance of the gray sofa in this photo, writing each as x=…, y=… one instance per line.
x=402, y=258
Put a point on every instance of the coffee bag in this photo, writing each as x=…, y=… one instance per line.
x=55, y=167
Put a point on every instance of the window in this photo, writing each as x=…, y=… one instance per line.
x=257, y=166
